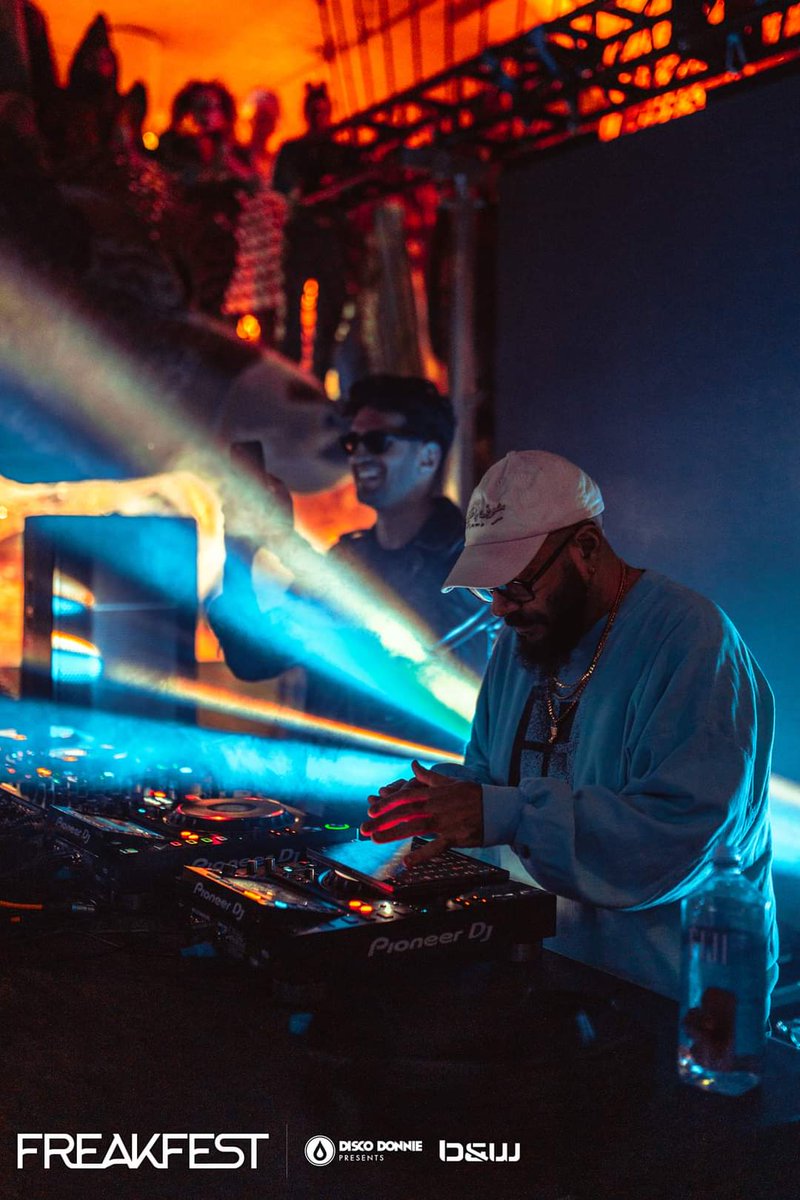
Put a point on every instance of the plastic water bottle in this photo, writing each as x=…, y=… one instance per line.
x=723, y=1011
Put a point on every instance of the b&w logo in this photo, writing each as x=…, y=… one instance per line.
x=479, y=1151
x=320, y=1150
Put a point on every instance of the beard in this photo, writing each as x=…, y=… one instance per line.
x=550, y=644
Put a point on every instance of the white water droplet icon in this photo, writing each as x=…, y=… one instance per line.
x=320, y=1150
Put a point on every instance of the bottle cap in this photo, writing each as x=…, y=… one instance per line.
x=726, y=855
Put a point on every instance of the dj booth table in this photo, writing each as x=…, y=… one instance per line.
x=113, y=1032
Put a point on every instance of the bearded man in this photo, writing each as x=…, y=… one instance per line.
x=622, y=732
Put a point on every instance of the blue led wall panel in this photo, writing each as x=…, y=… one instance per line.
x=110, y=613
x=649, y=328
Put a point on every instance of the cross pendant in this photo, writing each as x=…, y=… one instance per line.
x=553, y=734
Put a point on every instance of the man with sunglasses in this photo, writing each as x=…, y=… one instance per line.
x=622, y=732
x=400, y=430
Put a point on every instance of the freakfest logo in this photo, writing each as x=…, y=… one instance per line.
x=99, y=1151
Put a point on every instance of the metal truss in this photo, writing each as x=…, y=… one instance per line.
x=606, y=68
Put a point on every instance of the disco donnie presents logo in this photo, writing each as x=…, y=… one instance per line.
x=321, y=1150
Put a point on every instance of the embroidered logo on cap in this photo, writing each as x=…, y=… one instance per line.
x=480, y=514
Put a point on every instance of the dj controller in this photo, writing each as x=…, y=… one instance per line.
x=301, y=919
x=257, y=880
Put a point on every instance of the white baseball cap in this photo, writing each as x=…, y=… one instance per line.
x=521, y=499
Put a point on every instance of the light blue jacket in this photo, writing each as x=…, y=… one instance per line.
x=668, y=754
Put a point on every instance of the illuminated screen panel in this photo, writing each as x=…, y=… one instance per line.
x=109, y=602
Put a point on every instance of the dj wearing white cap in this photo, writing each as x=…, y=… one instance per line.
x=622, y=731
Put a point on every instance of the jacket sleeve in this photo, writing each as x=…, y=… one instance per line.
x=250, y=639
x=299, y=630
x=475, y=766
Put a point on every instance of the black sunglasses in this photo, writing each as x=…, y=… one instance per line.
x=375, y=441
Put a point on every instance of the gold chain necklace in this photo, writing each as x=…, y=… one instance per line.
x=580, y=686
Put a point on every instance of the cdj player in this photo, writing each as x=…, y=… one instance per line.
x=134, y=859
x=130, y=817
x=337, y=906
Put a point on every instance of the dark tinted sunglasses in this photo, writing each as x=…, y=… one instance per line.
x=375, y=441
